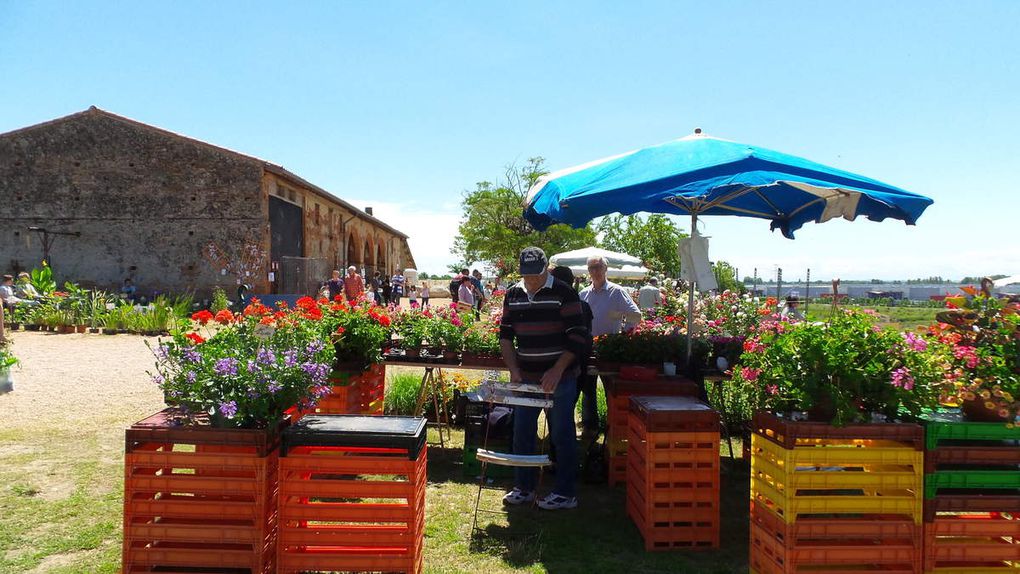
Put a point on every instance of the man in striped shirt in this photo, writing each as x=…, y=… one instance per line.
x=543, y=334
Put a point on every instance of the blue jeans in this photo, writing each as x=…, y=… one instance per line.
x=561, y=429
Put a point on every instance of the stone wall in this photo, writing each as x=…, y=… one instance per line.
x=146, y=202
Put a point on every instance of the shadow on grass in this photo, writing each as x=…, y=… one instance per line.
x=598, y=536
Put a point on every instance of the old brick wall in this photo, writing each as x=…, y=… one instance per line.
x=145, y=202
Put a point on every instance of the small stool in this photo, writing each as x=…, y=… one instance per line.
x=673, y=472
x=330, y=467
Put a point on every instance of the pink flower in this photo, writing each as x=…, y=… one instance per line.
x=772, y=389
x=753, y=345
x=902, y=378
x=914, y=342
x=750, y=375
x=968, y=354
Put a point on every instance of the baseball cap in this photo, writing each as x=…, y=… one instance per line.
x=533, y=261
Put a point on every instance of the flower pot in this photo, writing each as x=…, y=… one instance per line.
x=65, y=329
x=93, y=330
x=451, y=356
x=32, y=327
x=412, y=352
x=975, y=411
x=80, y=328
x=14, y=326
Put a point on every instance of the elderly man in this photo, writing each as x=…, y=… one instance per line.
x=649, y=295
x=543, y=317
x=611, y=308
x=354, y=285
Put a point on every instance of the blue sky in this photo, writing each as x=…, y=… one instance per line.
x=404, y=105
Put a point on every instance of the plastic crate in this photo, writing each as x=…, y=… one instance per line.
x=949, y=429
x=663, y=414
x=616, y=467
x=868, y=554
x=790, y=434
x=198, y=498
x=843, y=477
x=988, y=541
x=975, y=502
x=991, y=480
x=976, y=456
x=352, y=494
x=834, y=530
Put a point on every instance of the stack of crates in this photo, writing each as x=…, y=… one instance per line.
x=199, y=499
x=352, y=494
x=354, y=393
x=972, y=497
x=835, y=499
x=476, y=422
x=619, y=390
x=673, y=472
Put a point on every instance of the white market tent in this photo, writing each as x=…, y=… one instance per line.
x=579, y=257
x=625, y=272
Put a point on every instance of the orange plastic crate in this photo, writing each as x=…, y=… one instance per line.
x=838, y=554
x=981, y=541
x=199, y=500
x=351, y=509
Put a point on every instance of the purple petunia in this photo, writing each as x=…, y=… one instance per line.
x=158, y=379
x=314, y=347
x=265, y=356
x=191, y=376
x=290, y=358
x=318, y=372
x=225, y=367
x=190, y=355
x=228, y=409
x=274, y=386
x=162, y=352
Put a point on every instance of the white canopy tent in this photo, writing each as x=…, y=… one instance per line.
x=579, y=257
x=625, y=272
x=1013, y=280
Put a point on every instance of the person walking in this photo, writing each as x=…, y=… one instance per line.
x=542, y=335
x=397, y=291
x=354, y=285
x=335, y=285
x=376, y=285
x=611, y=308
x=424, y=294
x=387, y=290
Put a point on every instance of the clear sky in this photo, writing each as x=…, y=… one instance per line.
x=404, y=105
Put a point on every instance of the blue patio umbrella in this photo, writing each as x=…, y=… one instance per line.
x=701, y=175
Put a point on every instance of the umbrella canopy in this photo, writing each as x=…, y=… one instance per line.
x=701, y=175
x=625, y=272
x=581, y=256
x=1006, y=281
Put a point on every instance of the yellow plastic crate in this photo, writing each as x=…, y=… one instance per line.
x=840, y=477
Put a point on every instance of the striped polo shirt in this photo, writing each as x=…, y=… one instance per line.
x=544, y=326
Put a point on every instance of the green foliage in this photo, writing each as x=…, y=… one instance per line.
x=220, y=301
x=42, y=280
x=726, y=277
x=7, y=358
x=402, y=393
x=843, y=371
x=493, y=228
x=654, y=239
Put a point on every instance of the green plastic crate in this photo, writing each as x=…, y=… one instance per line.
x=971, y=479
x=948, y=427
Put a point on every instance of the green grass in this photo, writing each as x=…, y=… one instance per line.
x=61, y=508
x=901, y=318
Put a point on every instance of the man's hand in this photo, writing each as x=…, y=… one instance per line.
x=551, y=378
x=515, y=377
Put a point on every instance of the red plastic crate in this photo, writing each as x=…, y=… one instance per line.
x=351, y=509
x=660, y=414
x=865, y=554
x=790, y=434
x=972, y=540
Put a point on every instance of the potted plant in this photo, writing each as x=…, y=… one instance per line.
x=982, y=336
x=841, y=372
x=481, y=344
x=7, y=361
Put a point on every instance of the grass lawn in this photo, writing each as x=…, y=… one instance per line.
x=79, y=531
x=898, y=318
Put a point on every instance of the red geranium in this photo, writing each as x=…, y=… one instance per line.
x=195, y=337
x=203, y=316
x=224, y=317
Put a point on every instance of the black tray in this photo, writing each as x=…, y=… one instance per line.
x=406, y=433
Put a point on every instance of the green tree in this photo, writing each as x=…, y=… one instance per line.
x=726, y=277
x=653, y=239
x=493, y=229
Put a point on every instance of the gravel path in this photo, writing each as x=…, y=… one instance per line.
x=85, y=382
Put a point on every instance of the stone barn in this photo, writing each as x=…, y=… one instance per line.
x=107, y=198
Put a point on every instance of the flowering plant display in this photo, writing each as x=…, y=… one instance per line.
x=982, y=336
x=446, y=328
x=651, y=341
x=247, y=370
x=482, y=337
x=845, y=371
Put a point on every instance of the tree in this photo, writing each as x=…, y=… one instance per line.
x=654, y=240
x=726, y=277
x=493, y=229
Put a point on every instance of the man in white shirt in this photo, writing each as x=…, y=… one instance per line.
x=611, y=308
x=649, y=295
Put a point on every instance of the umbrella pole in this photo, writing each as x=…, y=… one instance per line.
x=690, y=302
